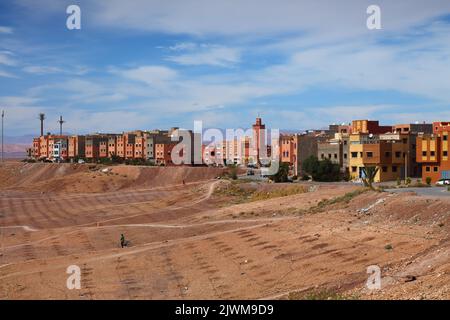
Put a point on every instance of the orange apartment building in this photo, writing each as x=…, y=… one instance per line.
x=76, y=146
x=439, y=127
x=51, y=147
x=388, y=152
x=112, y=145
x=96, y=146
x=129, y=141
x=369, y=126
x=432, y=153
x=36, y=150
x=288, y=148
x=163, y=153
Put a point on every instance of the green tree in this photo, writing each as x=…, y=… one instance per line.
x=321, y=170
x=282, y=173
x=369, y=176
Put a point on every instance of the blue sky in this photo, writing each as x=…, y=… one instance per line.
x=156, y=64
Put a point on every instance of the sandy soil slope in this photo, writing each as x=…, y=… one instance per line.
x=198, y=241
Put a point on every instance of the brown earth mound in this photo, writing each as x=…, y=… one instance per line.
x=84, y=178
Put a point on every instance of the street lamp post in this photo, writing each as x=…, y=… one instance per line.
x=3, y=116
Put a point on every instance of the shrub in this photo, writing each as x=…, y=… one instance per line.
x=305, y=177
x=428, y=181
x=232, y=171
x=408, y=181
x=399, y=182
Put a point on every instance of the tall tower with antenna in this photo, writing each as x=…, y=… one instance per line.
x=60, y=121
x=42, y=118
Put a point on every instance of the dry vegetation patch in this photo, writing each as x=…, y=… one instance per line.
x=239, y=192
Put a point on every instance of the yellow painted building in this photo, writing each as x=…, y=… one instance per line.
x=388, y=152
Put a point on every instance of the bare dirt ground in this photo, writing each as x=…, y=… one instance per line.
x=210, y=238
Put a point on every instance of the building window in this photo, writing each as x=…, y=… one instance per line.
x=354, y=154
x=335, y=155
x=361, y=154
x=329, y=156
x=445, y=153
x=345, y=156
x=322, y=156
x=394, y=168
x=354, y=169
x=432, y=153
x=435, y=169
x=369, y=154
x=398, y=154
x=427, y=169
x=445, y=137
x=385, y=169
x=424, y=153
x=387, y=154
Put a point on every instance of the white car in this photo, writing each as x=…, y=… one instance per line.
x=443, y=182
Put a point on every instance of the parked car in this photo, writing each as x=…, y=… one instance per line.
x=443, y=182
x=250, y=172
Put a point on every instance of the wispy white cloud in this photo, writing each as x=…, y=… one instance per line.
x=41, y=69
x=6, y=74
x=156, y=76
x=213, y=55
x=7, y=59
x=18, y=101
x=6, y=30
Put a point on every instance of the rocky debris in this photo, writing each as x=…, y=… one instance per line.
x=409, y=278
x=367, y=209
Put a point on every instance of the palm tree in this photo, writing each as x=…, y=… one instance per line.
x=369, y=175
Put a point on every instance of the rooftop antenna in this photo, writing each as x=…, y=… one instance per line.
x=42, y=118
x=60, y=121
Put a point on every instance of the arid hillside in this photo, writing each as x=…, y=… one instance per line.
x=87, y=178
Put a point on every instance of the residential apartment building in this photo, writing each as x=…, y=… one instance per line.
x=306, y=145
x=96, y=146
x=163, y=153
x=76, y=145
x=332, y=150
x=388, y=152
x=288, y=147
x=50, y=147
x=432, y=153
x=36, y=149
x=439, y=127
x=368, y=126
x=413, y=130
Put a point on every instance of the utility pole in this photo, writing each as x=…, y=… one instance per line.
x=3, y=116
x=406, y=165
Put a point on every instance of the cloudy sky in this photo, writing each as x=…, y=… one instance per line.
x=154, y=64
